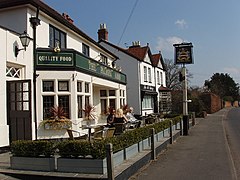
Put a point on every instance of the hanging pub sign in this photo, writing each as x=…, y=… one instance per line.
x=183, y=53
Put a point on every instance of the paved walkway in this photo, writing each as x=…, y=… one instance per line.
x=202, y=155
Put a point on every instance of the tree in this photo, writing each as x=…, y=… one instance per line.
x=173, y=75
x=223, y=85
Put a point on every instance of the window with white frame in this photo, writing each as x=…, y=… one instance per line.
x=87, y=87
x=149, y=75
x=103, y=59
x=80, y=106
x=145, y=74
x=48, y=86
x=158, y=77
x=48, y=103
x=85, y=49
x=147, y=102
x=79, y=86
x=63, y=85
x=56, y=37
x=63, y=101
x=13, y=71
x=161, y=78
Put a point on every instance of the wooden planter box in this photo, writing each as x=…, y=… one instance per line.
x=118, y=158
x=131, y=151
x=91, y=166
x=146, y=143
x=32, y=163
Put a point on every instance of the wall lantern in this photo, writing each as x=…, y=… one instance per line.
x=25, y=40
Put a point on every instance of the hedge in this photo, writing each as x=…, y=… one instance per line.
x=85, y=149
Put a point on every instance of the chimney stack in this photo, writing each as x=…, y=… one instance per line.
x=67, y=17
x=103, y=32
x=136, y=44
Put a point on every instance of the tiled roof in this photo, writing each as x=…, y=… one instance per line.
x=161, y=88
x=138, y=52
x=155, y=59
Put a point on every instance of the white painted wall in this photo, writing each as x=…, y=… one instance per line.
x=130, y=66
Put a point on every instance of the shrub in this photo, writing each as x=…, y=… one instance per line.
x=83, y=148
x=73, y=148
x=28, y=148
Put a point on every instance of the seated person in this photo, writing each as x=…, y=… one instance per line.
x=119, y=117
x=130, y=115
x=110, y=118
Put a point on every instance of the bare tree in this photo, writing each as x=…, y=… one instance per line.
x=172, y=75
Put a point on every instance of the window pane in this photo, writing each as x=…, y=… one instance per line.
x=63, y=86
x=111, y=92
x=63, y=41
x=79, y=86
x=85, y=49
x=145, y=73
x=51, y=37
x=112, y=103
x=48, y=86
x=103, y=59
x=87, y=100
x=87, y=88
x=149, y=75
x=63, y=101
x=48, y=103
x=103, y=93
x=80, y=107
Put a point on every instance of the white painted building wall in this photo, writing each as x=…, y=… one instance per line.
x=17, y=19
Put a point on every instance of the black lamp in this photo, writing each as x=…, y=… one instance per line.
x=25, y=39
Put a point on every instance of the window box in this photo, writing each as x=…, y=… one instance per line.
x=57, y=124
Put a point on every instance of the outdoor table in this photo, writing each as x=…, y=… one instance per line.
x=89, y=127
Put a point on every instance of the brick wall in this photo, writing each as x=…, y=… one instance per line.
x=212, y=102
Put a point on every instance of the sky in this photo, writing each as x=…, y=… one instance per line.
x=212, y=26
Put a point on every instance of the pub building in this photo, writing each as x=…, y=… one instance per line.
x=61, y=67
x=146, y=75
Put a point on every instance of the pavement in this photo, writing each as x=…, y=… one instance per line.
x=203, y=154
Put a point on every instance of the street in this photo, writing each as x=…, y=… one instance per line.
x=203, y=154
x=232, y=125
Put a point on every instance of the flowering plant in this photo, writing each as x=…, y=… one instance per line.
x=58, y=120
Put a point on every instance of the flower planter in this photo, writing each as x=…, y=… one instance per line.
x=57, y=126
x=146, y=143
x=159, y=136
x=91, y=166
x=118, y=158
x=131, y=151
x=166, y=132
x=32, y=163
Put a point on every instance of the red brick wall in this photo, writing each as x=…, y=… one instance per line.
x=212, y=102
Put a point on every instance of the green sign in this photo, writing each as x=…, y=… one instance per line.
x=96, y=68
x=89, y=66
x=51, y=58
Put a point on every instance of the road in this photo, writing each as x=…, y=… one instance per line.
x=205, y=153
x=232, y=129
